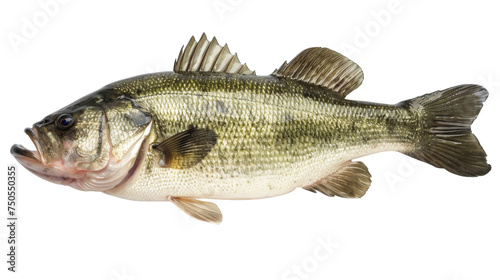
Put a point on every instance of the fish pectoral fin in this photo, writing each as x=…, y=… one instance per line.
x=323, y=67
x=209, y=56
x=187, y=148
x=351, y=180
x=201, y=210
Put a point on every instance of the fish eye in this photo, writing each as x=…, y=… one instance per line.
x=64, y=121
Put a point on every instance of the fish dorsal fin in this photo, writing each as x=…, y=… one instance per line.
x=323, y=67
x=209, y=56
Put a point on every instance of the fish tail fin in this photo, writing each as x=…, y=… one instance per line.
x=445, y=139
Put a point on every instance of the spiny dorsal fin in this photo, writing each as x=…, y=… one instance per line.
x=209, y=56
x=351, y=180
x=323, y=67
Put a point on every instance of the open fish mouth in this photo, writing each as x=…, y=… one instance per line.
x=116, y=173
x=23, y=154
x=35, y=162
x=19, y=151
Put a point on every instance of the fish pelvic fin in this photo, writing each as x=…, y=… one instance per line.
x=202, y=210
x=445, y=138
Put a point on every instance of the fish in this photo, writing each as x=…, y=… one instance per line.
x=213, y=129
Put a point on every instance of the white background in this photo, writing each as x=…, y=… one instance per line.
x=415, y=222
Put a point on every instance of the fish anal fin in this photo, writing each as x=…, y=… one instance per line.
x=187, y=148
x=201, y=210
x=209, y=56
x=323, y=67
x=351, y=180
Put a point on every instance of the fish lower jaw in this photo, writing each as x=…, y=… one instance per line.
x=54, y=175
x=56, y=172
x=114, y=174
x=61, y=180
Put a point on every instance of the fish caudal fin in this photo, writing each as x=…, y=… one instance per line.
x=445, y=138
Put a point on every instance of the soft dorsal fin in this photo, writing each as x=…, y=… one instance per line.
x=209, y=56
x=323, y=67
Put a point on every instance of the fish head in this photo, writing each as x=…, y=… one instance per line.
x=92, y=145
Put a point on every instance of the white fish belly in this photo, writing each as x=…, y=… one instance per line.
x=157, y=183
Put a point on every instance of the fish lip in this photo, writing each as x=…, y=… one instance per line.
x=26, y=156
x=30, y=160
x=35, y=163
x=19, y=150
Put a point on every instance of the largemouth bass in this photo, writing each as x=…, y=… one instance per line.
x=213, y=129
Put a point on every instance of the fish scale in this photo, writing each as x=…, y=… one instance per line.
x=256, y=139
x=213, y=129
